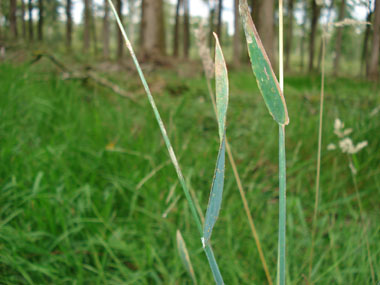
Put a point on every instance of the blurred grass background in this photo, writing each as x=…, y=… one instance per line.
x=85, y=178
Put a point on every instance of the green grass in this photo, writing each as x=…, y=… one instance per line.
x=70, y=211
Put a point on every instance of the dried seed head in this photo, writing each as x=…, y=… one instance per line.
x=352, y=167
x=375, y=111
x=338, y=124
x=347, y=146
x=349, y=22
x=204, y=51
x=360, y=146
x=331, y=146
x=339, y=129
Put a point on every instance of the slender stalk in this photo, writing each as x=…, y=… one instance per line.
x=248, y=213
x=214, y=266
x=282, y=205
x=207, y=249
x=282, y=162
x=314, y=226
x=242, y=194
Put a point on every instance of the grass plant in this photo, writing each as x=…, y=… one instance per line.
x=344, y=22
x=272, y=93
x=218, y=181
x=204, y=53
x=319, y=151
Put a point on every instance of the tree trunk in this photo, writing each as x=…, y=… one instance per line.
x=131, y=25
x=106, y=31
x=86, y=28
x=338, y=41
x=12, y=18
x=262, y=12
x=120, y=44
x=373, y=68
x=255, y=12
x=69, y=25
x=320, y=55
x=153, y=30
x=289, y=35
x=176, y=30
x=315, y=9
x=40, y=20
x=30, y=26
x=266, y=29
x=186, y=29
x=23, y=19
x=220, y=21
x=1, y=27
x=303, y=39
x=321, y=42
x=93, y=27
x=364, y=58
x=237, y=34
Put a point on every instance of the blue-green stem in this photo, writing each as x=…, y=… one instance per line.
x=207, y=249
x=282, y=206
x=213, y=265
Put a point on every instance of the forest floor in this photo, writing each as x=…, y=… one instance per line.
x=85, y=180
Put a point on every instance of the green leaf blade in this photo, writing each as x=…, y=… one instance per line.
x=221, y=83
x=216, y=195
x=265, y=77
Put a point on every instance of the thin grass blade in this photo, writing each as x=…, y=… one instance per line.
x=265, y=77
x=216, y=196
x=282, y=164
x=184, y=254
x=282, y=207
x=208, y=250
x=159, y=121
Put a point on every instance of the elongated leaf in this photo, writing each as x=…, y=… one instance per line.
x=185, y=258
x=216, y=195
x=221, y=83
x=266, y=79
x=215, y=201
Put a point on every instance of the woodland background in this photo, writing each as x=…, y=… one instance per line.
x=87, y=191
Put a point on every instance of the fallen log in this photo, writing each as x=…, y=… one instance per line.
x=68, y=73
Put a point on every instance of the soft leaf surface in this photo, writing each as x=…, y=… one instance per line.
x=266, y=79
x=221, y=84
x=216, y=196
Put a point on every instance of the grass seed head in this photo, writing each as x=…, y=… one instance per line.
x=204, y=51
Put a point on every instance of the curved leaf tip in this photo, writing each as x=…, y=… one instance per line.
x=265, y=77
x=221, y=87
